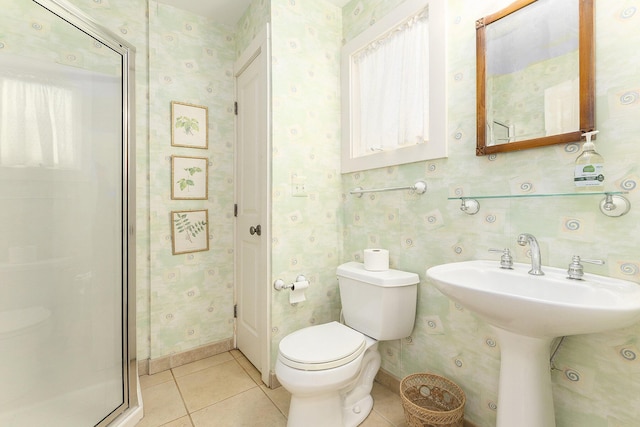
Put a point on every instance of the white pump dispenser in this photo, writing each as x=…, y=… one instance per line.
x=589, y=170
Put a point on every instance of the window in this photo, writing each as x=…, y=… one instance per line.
x=393, y=89
x=36, y=124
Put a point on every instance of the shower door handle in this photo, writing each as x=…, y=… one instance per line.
x=255, y=230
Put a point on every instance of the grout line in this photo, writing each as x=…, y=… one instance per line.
x=286, y=416
x=184, y=403
x=259, y=385
x=227, y=398
x=387, y=420
x=246, y=370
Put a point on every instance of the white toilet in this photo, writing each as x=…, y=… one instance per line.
x=329, y=369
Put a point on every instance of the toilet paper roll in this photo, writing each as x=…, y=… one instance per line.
x=296, y=294
x=376, y=259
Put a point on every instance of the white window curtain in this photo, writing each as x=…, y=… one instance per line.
x=36, y=124
x=392, y=89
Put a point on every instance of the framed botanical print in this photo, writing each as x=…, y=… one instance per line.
x=189, y=178
x=189, y=125
x=189, y=231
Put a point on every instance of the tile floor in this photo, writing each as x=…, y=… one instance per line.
x=226, y=390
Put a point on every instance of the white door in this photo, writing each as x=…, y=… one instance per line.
x=252, y=190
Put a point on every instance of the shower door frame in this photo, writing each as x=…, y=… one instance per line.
x=87, y=25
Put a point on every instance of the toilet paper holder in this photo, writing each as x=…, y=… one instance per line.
x=280, y=285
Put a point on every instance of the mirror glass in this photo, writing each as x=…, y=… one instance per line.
x=535, y=75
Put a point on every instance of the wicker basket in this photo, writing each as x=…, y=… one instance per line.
x=430, y=400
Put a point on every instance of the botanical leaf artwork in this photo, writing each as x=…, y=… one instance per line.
x=189, y=177
x=186, y=182
x=186, y=228
x=188, y=124
x=189, y=231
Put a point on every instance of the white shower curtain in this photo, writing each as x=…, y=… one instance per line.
x=393, y=88
x=36, y=125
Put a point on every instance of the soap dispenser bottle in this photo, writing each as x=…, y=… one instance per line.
x=589, y=170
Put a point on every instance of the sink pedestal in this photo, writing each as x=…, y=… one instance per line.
x=525, y=396
x=521, y=306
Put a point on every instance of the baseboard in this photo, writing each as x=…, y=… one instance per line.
x=389, y=381
x=153, y=366
x=143, y=367
x=273, y=381
x=392, y=383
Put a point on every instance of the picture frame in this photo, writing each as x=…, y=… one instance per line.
x=189, y=125
x=189, y=178
x=189, y=231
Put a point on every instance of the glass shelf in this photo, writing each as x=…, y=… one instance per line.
x=526, y=196
x=613, y=203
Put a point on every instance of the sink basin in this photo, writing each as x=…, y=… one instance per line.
x=527, y=312
x=539, y=306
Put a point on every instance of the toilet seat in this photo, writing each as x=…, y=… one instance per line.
x=321, y=347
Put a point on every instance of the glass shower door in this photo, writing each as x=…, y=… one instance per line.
x=63, y=220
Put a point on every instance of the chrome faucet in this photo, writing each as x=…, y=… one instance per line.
x=536, y=268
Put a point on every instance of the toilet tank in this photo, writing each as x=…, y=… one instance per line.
x=380, y=304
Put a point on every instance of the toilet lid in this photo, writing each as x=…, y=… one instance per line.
x=321, y=347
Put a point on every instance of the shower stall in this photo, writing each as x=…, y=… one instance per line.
x=67, y=271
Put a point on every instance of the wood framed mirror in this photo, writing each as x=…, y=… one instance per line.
x=535, y=75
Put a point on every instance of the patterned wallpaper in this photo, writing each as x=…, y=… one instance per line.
x=191, y=295
x=358, y=15
x=186, y=301
x=596, y=380
x=252, y=21
x=306, y=231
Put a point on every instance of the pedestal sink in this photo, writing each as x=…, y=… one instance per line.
x=527, y=312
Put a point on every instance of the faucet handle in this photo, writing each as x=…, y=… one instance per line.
x=576, y=271
x=506, y=260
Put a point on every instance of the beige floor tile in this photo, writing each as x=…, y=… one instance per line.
x=280, y=397
x=201, y=364
x=147, y=381
x=375, y=420
x=180, y=422
x=249, y=409
x=387, y=404
x=162, y=404
x=208, y=386
x=236, y=353
x=250, y=369
x=221, y=391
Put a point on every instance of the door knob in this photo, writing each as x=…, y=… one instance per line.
x=255, y=230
